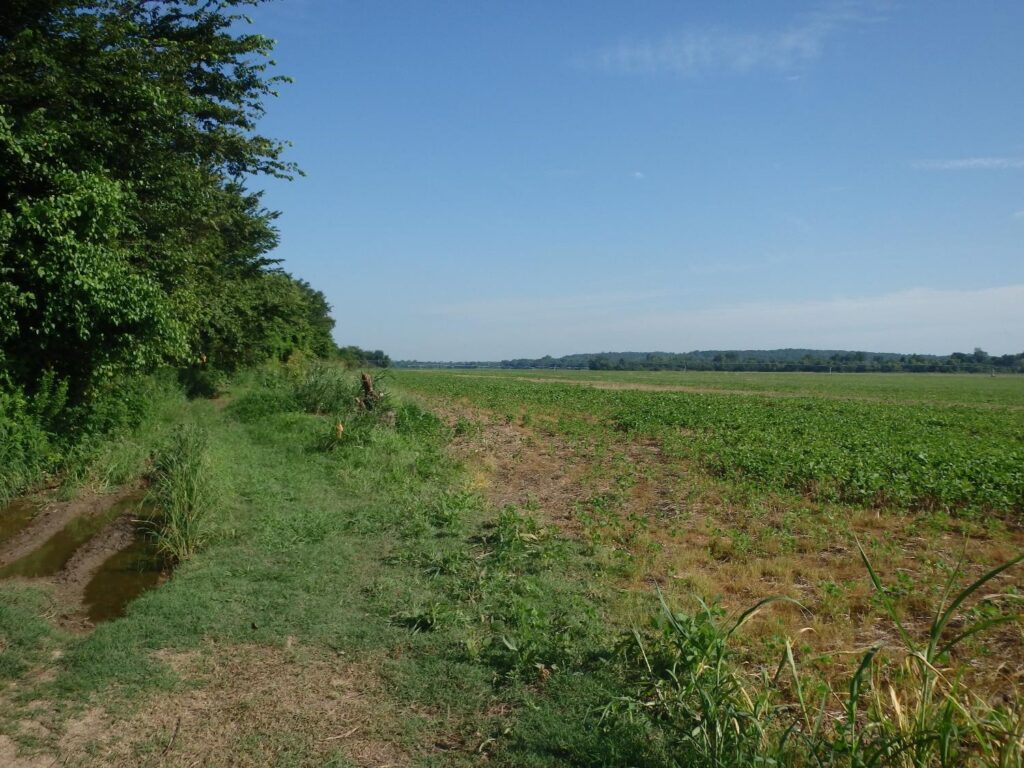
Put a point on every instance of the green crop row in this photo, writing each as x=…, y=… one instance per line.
x=909, y=455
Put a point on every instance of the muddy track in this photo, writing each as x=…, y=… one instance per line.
x=69, y=562
x=54, y=517
x=72, y=581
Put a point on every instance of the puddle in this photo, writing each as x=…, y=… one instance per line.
x=54, y=554
x=16, y=516
x=123, y=576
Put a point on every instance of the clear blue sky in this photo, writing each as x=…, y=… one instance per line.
x=489, y=180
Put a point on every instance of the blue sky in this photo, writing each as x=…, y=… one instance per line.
x=489, y=180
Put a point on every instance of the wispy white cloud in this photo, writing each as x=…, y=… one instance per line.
x=972, y=164
x=716, y=49
x=1019, y=214
x=639, y=175
x=916, y=320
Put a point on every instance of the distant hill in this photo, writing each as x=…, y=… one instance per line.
x=820, y=360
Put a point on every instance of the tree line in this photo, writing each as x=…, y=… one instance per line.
x=772, y=360
x=131, y=238
x=129, y=235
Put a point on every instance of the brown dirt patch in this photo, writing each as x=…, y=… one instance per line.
x=9, y=757
x=242, y=706
x=510, y=464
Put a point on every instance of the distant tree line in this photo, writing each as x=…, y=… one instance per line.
x=781, y=360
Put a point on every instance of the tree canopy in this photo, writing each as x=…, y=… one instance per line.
x=128, y=234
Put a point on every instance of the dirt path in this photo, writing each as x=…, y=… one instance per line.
x=231, y=697
x=513, y=465
x=72, y=581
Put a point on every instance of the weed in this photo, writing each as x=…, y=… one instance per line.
x=466, y=427
x=914, y=713
x=182, y=493
x=322, y=388
x=690, y=693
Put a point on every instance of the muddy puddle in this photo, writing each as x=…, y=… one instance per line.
x=120, y=579
x=15, y=517
x=49, y=558
x=99, y=560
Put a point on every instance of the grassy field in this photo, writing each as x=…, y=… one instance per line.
x=468, y=569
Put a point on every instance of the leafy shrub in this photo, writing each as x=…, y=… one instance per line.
x=117, y=406
x=259, y=404
x=49, y=401
x=26, y=450
x=203, y=382
x=41, y=433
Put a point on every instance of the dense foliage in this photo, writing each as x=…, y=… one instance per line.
x=762, y=360
x=354, y=357
x=128, y=236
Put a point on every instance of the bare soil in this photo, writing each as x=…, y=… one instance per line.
x=510, y=464
x=239, y=706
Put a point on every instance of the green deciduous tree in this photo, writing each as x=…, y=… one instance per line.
x=127, y=233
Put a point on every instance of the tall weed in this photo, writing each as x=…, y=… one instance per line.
x=182, y=493
x=688, y=690
x=323, y=388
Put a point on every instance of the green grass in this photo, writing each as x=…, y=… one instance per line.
x=183, y=491
x=368, y=549
x=489, y=629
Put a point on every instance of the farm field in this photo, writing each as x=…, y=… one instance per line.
x=475, y=569
x=962, y=389
x=245, y=522
x=736, y=487
x=920, y=445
